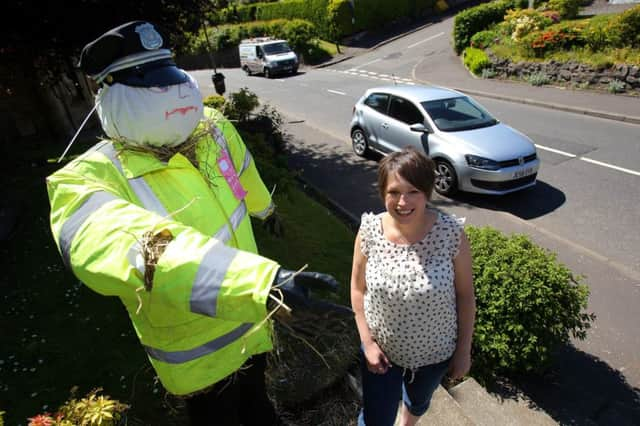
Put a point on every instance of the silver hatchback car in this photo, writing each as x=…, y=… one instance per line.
x=473, y=151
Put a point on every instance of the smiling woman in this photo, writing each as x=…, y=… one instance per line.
x=412, y=294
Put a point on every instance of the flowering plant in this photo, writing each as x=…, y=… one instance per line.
x=524, y=21
x=552, y=39
x=93, y=409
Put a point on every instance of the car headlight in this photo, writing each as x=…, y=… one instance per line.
x=481, y=162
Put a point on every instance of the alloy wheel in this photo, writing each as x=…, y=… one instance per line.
x=359, y=142
x=446, y=182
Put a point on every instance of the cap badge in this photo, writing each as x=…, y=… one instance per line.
x=149, y=37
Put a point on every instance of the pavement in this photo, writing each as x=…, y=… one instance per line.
x=579, y=388
x=451, y=73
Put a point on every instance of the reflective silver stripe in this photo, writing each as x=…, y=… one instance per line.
x=110, y=152
x=146, y=196
x=139, y=186
x=209, y=278
x=75, y=221
x=265, y=213
x=179, y=357
x=224, y=234
x=247, y=161
x=219, y=136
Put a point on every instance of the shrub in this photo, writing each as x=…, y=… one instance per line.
x=93, y=409
x=528, y=304
x=475, y=19
x=298, y=33
x=568, y=9
x=240, y=105
x=475, y=60
x=616, y=86
x=629, y=24
x=441, y=6
x=600, y=32
x=551, y=39
x=214, y=101
x=524, y=21
x=538, y=79
x=484, y=39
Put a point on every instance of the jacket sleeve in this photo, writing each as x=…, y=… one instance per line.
x=99, y=230
x=258, y=199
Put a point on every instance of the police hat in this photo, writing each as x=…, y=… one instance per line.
x=135, y=54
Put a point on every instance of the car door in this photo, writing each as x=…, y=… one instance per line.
x=374, y=114
x=396, y=132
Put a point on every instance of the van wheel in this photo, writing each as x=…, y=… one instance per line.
x=267, y=73
x=246, y=70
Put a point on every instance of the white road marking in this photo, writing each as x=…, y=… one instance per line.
x=336, y=92
x=611, y=166
x=556, y=151
x=425, y=40
x=589, y=160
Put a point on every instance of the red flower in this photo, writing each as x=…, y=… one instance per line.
x=41, y=420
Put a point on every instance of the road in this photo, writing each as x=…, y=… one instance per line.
x=584, y=207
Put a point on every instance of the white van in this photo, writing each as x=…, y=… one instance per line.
x=267, y=56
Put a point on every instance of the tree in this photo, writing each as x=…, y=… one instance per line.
x=41, y=38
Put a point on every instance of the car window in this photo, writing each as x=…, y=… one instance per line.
x=456, y=114
x=378, y=101
x=405, y=111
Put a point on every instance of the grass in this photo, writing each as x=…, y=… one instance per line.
x=57, y=334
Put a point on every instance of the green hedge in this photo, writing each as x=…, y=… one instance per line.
x=367, y=15
x=314, y=11
x=479, y=18
x=528, y=304
x=299, y=33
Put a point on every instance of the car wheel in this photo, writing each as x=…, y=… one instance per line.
x=359, y=142
x=446, y=179
x=267, y=73
x=247, y=70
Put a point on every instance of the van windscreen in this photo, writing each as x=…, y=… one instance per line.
x=275, y=48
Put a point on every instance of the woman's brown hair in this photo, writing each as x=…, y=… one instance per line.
x=410, y=164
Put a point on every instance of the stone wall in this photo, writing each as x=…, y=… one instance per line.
x=570, y=73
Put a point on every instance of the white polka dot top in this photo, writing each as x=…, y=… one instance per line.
x=410, y=302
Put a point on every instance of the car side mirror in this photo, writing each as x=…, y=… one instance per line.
x=419, y=128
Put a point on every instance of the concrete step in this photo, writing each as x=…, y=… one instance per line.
x=443, y=411
x=485, y=409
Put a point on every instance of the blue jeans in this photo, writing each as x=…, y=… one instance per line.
x=381, y=392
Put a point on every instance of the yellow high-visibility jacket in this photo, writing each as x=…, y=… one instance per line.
x=200, y=320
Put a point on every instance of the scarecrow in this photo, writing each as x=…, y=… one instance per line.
x=157, y=214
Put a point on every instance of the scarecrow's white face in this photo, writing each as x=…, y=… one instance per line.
x=155, y=116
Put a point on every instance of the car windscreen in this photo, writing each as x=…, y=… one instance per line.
x=457, y=114
x=275, y=48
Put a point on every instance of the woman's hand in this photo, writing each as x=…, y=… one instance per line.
x=377, y=361
x=460, y=364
